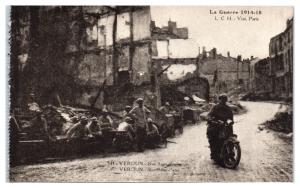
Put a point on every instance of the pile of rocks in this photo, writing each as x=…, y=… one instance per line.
x=282, y=121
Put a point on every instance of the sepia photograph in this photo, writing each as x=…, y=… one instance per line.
x=150, y=93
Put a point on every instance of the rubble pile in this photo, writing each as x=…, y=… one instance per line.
x=262, y=96
x=282, y=121
x=67, y=130
x=251, y=96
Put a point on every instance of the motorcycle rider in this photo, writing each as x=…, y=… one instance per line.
x=220, y=112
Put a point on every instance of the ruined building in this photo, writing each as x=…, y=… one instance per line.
x=272, y=77
x=281, y=60
x=218, y=73
x=75, y=52
x=86, y=56
x=260, y=77
x=177, y=78
x=91, y=56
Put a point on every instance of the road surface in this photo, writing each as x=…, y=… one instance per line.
x=265, y=157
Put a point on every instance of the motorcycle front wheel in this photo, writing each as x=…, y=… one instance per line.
x=231, y=155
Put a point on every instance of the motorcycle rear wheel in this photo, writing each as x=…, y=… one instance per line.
x=231, y=155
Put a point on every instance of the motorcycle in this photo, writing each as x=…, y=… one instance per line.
x=228, y=147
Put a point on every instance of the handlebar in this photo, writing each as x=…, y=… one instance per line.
x=228, y=122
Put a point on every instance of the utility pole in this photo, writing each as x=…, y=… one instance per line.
x=114, y=48
x=197, y=63
x=15, y=51
x=105, y=54
x=237, y=72
x=157, y=76
x=131, y=46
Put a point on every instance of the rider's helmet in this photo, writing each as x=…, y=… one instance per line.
x=223, y=98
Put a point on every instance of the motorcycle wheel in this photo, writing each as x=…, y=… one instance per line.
x=231, y=155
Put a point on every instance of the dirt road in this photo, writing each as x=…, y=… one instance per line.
x=265, y=157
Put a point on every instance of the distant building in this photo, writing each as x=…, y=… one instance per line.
x=224, y=74
x=169, y=32
x=252, y=74
x=260, y=77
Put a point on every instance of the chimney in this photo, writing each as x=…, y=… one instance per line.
x=172, y=26
x=204, y=55
x=152, y=24
x=228, y=54
x=213, y=53
x=239, y=58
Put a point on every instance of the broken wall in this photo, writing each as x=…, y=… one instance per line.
x=141, y=64
x=179, y=69
x=101, y=31
x=123, y=60
x=105, y=29
x=91, y=69
x=141, y=24
x=160, y=49
x=174, y=48
x=123, y=26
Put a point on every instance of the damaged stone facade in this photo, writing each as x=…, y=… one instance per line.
x=177, y=77
x=74, y=50
x=182, y=74
x=96, y=55
x=19, y=50
x=281, y=60
x=260, y=71
x=273, y=76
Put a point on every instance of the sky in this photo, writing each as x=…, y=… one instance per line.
x=248, y=38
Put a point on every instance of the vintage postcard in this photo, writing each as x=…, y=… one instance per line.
x=150, y=93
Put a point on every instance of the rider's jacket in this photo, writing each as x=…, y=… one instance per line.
x=221, y=112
